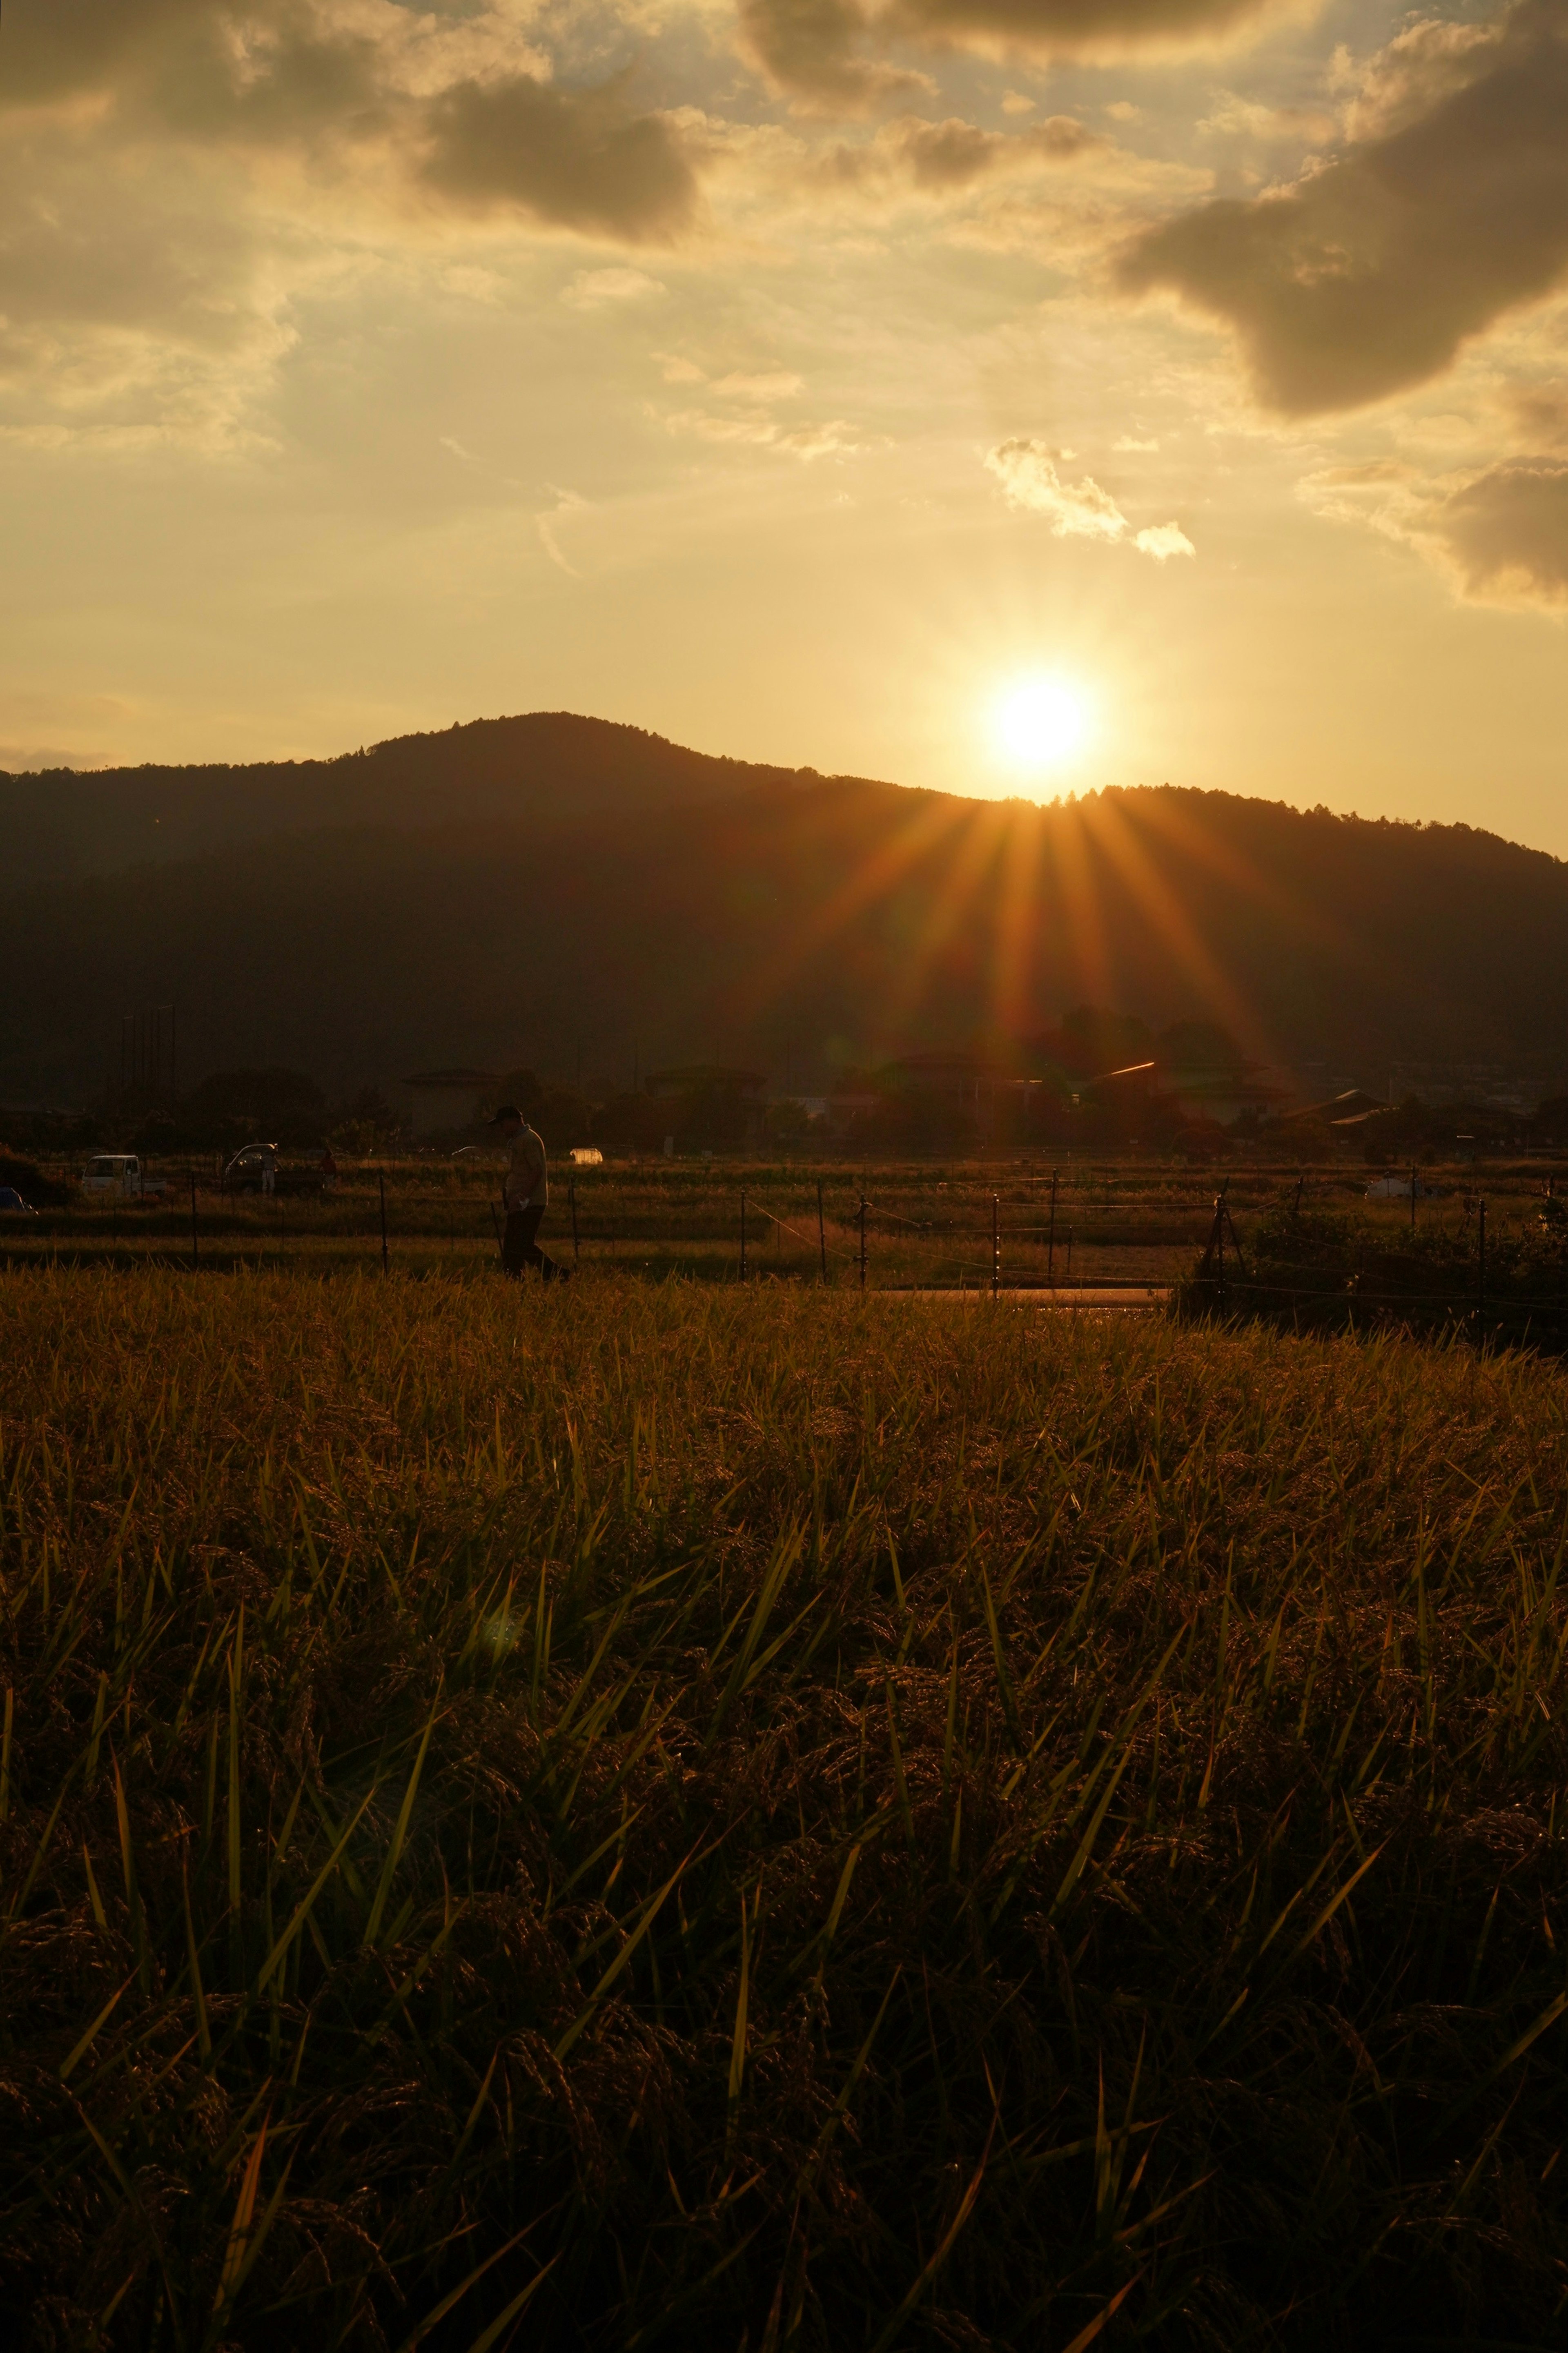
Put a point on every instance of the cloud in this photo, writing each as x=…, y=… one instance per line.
x=591, y=289
x=31, y=759
x=676, y=368
x=1506, y=533
x=833, y=53
x=1081, y=510
x=1027, y=473
x=462, y=104
x=1498, y=535
x=817, y=51
x=1075, y=28
x=580, y=158
x=781, y=384
x=1366, y=276
x=940, y=158
x=567, y=502
x=833, y=438
x=1163, y=540
x=1539, y=413
x=1235, y=117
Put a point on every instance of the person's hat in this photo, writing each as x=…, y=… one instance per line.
x=507, y=1111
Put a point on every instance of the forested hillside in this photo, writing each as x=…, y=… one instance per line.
x=546, y=764
x=796, y=922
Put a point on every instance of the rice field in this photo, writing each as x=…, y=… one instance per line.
x=667, y=1814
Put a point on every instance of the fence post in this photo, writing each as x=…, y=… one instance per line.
x=195, y=1247
x=996, y=1244
x=862, y=1242
x=572, y=1197
x=1051, y=1243
x=1483, y=1271
x=821, y=1231
x=743, y=1233
x=1219, y=1231
x=380, y=1188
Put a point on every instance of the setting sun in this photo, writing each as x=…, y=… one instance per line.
x=1040, y=723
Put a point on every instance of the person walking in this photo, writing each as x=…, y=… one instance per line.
x=525, y=1191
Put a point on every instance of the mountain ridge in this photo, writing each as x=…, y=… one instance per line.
x=794, y=923
x=63, y=824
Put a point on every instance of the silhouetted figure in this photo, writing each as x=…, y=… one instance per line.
x=526, y=1193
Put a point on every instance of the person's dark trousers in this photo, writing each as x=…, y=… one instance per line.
x=520, y=1248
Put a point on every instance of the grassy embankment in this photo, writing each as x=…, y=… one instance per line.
x=758, y=1818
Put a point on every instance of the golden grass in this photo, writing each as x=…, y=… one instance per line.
x=643, y=1814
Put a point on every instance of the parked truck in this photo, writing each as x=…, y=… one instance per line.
x=120, y=1176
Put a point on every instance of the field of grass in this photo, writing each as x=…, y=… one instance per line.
x=652, y=1814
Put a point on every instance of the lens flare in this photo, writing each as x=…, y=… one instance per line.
x=1040, y=724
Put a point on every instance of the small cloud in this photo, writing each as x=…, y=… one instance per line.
x=1506, y=533
x=478, y=285
x=578, y=158
x=835, y=440
x=1014, y=103
x=1235, y=117
x=591, y=289
x=1027, y=471
x=1539, y=413
x=566, y=503
x=1163, y=540
x=1121, y=110
x=779, y=385
x=457, y=451
x=33, y=759
x=1081, y=510
x=675, y=370
x=706, y=426
x=1128, y=444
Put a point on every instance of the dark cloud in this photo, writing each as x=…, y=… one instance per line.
x=819, y=50
x=1073, y=27
x=581, y=158
x=940, y=157
x=1539, y=413
x=834, y=52
x=51, y=51
x=368, y=94
x=1507, y=532
x=278, y=68
x=950, y=154
x=1367, y=276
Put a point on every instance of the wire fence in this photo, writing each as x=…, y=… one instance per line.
x=1107, y=1230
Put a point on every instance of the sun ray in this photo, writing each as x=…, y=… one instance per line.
x=1176, y=926
x=871, y=877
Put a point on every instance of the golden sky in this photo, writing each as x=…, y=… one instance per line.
x=798, y=378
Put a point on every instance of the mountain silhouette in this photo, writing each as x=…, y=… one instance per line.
x=589, y=891
x=67, y=823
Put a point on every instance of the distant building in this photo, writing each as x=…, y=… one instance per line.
x=446, y=1100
